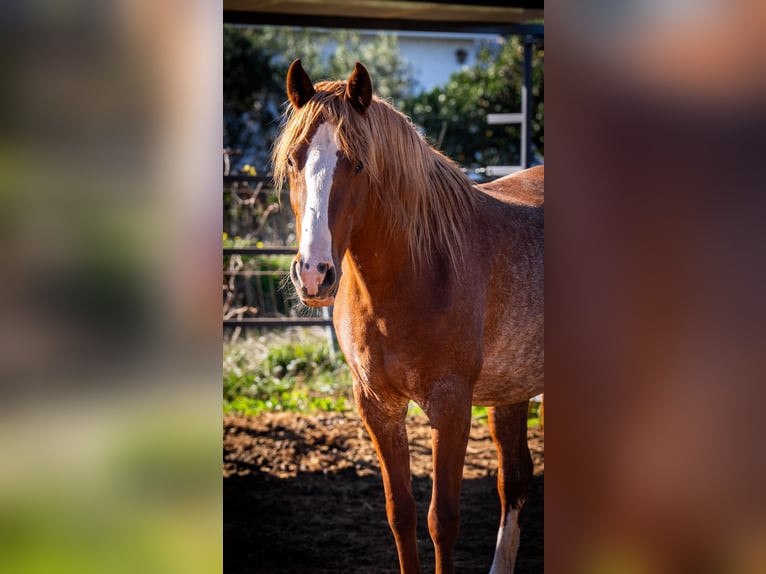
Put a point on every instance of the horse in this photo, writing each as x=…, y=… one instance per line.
x=437, y=287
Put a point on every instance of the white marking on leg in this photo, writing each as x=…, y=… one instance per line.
x=316, y=240
x=507, y=543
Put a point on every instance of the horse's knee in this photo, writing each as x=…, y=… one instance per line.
x=444, y=523
x=402, y=513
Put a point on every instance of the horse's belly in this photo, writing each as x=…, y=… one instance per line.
x=509, y=377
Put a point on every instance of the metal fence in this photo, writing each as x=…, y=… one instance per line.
x=259, y=242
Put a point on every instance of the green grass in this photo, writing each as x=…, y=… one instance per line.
x=297, y=373
x=285, y=376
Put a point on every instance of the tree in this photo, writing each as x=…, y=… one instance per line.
x=454, y=116
x=255, y=65
x=392, y=77
x=248, y=82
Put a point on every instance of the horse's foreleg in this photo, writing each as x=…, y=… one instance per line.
x=508, y=426
x=450, y=417
x=385, y=425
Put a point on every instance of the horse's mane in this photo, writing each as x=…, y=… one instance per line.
x=421, y=192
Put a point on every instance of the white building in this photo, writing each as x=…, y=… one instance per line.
x=434, y=56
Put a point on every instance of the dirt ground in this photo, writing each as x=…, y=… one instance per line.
x=304, y=494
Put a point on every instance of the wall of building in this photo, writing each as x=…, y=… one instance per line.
x=434, y=56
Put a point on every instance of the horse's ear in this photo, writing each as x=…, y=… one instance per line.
x=299, y=86
x=359, y=88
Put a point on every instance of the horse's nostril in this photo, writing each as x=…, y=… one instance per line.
x=329, y=278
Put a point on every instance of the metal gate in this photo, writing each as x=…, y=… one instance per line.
x=259, y=241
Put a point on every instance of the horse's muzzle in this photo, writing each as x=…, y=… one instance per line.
x=316, y=285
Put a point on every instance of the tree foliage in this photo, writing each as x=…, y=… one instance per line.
x=249, y=83
x=392, y=77
x=255, y=65
x=454, y=116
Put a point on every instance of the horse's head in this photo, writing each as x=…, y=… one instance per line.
x=323, y=173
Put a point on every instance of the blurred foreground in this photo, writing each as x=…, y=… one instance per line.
x=654, y=287
x=110, y=251
x=110, y=162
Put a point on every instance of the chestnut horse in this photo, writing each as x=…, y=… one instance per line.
x=438, y=293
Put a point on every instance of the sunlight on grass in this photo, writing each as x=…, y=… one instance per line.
x=297, y=371
x=286, y=373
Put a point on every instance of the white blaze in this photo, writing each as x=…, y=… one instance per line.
x=316, y=241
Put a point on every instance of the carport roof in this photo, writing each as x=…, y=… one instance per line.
x=498, y=16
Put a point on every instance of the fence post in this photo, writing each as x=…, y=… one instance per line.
x=526, y=104
x=329, y=332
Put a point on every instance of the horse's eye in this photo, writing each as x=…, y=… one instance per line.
x=290, y=162
x=359, y=167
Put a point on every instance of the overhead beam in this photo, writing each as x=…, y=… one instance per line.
x=313, y=21
x=525, y=4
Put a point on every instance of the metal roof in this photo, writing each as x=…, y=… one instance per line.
x=497, y=16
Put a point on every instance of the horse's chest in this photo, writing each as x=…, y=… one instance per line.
x=374, y=360
x=401, y=357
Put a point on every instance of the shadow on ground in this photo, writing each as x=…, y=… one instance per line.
x=334, y=521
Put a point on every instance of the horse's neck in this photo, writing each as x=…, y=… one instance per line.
x=379, y=259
